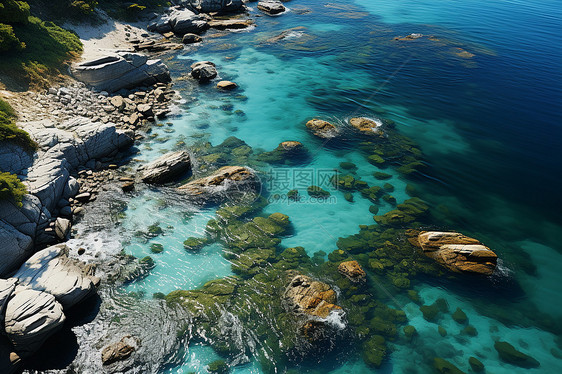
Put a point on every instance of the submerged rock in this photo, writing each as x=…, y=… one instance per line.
x=224, y=24
x=445, y=367
x=122, y=70
x=119, y=351
x=166, y=168
x=271, y=6
x=352, y=270
x=223, y=183
x=509, y=354
x=203, y=71
x=226, y=85
x=286, y=152
x=322, y=129
x=457, y=252
x=190, y=38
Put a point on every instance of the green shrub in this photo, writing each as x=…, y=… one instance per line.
x=12, y=11
x=10, y=132
x=11, y=188
x=8, y=40
x=82, y=8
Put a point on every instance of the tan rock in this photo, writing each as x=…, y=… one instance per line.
x=119, y=351
x=226, y=85
x=306, y=296
x=366, y=125
x=321, y=128
x=290, y=146
x=352, y=270
x=225, y=180
x=457, y=252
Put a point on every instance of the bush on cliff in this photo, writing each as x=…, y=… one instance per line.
x=11, y=188
x=10, y=132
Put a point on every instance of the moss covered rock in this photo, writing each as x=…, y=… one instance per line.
x=476, y=365
x=374, y=351
x=460, y=316
x=509, y=354
x=156, y=248
x=445, y=367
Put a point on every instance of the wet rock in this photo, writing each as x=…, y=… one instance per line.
x=271, y=7
x=509, y=354
x=120, y=351
x=457, y=252
x=309, y=297
x=203, y=71
x=230, y=24
x=209, y=6
x=122, y=70
x=166, y=168
x=226, y=85
x=51, y=270
x=286, y=152
x=191, y=38
x=367, y=125
x=353, y=271
x=223, y=183
x=128, y=186
x=322, y=129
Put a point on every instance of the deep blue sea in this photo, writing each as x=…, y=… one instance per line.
x=481, y=95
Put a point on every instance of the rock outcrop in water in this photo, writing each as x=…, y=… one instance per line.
x=33, y=301
x=120, y=71
x=322, y=129
x=208, y=6
x=310, y=297
x=119, y=351
x=222, y=184
x=366, y=125
x=166, y=168
x=457, y=252
x=203, y=71
x=353, y=271
x=271, y=6
x=180, y=21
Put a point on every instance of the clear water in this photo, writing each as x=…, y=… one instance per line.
x=489, y=126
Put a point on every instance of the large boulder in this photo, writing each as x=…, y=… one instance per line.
x=366, y=125
x=51, y=270
x=203, y=71
x=271, y=7
x=31, y=317
x=166, y=168
x=122, y=70
x=208, y=6
x=226, y=182
x=458, y=252
x=181, y=22
x=353, y=271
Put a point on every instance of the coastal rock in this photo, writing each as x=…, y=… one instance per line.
x=62, y=228
x=181, y=22
x=226, y=85
x=509, y=354
x=191, y=38
x=223, y=183
x=353, y=271
x=203, y=71
x=322, y=129
x=51, y=270
x=119, y=351
x=309, y=297
x=208, y=6
x=366, y=125
x=166, y=168
x=31, y=316
x=291, y=146
x=225, y=24
x=271, y=7
x=457, y=252
x=122, y=70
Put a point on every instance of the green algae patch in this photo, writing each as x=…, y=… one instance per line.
x=509, y=354
x=441, y=330
x=195, y=244
x=156, y=248
x=381, y=175
x=410, y=331
x=470, y=331
x=317, y=192
x=374, y=351
x=218, y=367
x=432, y=312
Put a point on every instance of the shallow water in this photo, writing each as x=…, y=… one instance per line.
x=488, y=125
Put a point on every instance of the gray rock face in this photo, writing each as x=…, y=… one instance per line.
x=13, y=158
x=31, y=317
x=166, y=168
x=271, y=6
x=62, y=148
x=191, y=38
x=180, y=21
x=208, y=6
x=203, y=71
x=119, y=71
x=51, y=270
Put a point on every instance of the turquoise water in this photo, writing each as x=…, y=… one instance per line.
x=488, y=123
